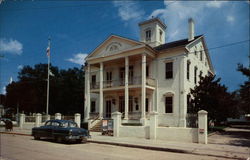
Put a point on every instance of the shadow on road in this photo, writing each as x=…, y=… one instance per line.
x=235, y=135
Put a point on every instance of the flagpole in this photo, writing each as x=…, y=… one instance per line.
x=48, y=54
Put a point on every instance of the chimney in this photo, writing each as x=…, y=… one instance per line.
x=190, y=29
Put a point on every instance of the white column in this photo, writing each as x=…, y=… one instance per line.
x=101, y=92
x=143, y=87
x=78, y=119
x=116, y=116
x=153, y=125
x=87, y=93
x=182, y=94
x=21, y=120
x=126, y=87
x=58, y=116
x=202, y=126
x=38, y=120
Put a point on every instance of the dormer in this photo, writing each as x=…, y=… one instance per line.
x=152, y=32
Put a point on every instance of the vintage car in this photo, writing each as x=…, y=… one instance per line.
x=61, y=130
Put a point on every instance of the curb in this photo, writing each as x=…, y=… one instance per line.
x=14, y=133
x=140, y=146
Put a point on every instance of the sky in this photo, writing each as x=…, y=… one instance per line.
x=77, y=27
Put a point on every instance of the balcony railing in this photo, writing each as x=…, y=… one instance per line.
x=93, y=115
x=134, y=115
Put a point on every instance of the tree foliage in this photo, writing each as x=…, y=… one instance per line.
x=30, y=91
x=244, y=90
x=213, y=97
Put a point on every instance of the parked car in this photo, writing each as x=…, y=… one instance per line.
x=61, y=130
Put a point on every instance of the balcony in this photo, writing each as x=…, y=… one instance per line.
x=121, y=82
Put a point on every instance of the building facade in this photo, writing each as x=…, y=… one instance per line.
x=140, y=77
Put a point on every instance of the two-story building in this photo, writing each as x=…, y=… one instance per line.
x=139, y=77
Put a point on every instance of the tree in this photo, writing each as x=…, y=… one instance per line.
x=244, y=90
x=213, y=97
x=30, y=91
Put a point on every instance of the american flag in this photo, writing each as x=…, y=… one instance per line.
x=48, y=51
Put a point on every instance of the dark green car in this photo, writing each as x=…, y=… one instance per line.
x=61, y=130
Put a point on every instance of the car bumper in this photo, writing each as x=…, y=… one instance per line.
x=76, y=137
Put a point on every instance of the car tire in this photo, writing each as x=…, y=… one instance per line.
x=36, y=137
x=79, y=141
x=59, y=139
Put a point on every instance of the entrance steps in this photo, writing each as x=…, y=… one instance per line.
x=97, y=127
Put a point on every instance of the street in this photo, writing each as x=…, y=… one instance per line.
x=15, y=147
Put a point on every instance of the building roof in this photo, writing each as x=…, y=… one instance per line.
x=182, y=42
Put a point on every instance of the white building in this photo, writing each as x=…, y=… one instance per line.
x=139, y=77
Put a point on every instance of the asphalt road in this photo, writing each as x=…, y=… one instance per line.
x=14, y=147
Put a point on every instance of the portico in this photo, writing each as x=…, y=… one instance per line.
x=124, y=85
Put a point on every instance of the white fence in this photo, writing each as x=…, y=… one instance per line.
x=28, y=122
x=151, y=130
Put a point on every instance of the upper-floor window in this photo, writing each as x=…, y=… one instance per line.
x=169, y=70
x=169, y=104
x=93, y=79
x=161, y=33
x=109, y=76
x=201, y=55
x=188, y=69
x=148, y=35
x=195, y=74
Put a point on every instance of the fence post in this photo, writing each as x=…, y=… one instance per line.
x=47, y=117
x=22, y=120
x=78, y=119
x=58, y=116
x=38, y=120
x=116, y=116
x=202, y=126
x=153, y=125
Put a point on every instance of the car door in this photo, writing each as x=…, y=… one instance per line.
x=54, y=129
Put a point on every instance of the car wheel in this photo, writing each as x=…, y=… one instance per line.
x=79, y=141
x=36, y=137
x=59, y=139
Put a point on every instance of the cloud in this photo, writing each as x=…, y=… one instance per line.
x=128, y=10
x=230, y=19
x=11, y=46
x=215, y=4
x=78, y=58
x=177, y=13
x=20, y=67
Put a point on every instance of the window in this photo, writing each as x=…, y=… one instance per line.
x=130, y=104
x=121, y=104
x=195, y=75
x=148, y=35
x=188, y=69
x=109, y=76
x=93, y=79
x=169, y=70
x=169, y=104
x=146, y=104
x=147, y=71
x=92, y=107
x=160, y=37
x=201, y=55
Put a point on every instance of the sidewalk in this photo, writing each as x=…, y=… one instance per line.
x=213, y=150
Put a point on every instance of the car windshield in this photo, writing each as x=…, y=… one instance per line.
x=68, y=124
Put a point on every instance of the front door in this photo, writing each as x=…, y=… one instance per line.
x=108, y=109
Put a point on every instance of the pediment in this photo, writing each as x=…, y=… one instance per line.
x=113, y=45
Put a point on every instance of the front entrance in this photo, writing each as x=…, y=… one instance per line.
x=108, y=109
